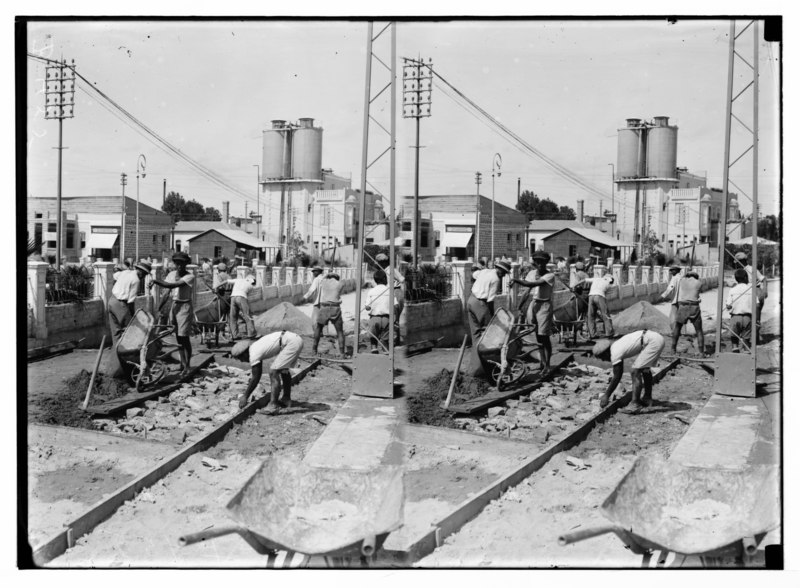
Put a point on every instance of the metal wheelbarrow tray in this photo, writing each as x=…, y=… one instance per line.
x=660, y=505
x=290, y=506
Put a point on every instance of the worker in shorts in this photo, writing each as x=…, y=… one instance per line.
x=540, y=310
x=181, y=282
x=285, y=347
x=379, y=305
x=313, y=292
x=647, y=347
x=754, y=278
x=739, y=304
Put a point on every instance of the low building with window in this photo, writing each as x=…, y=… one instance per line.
x=217, y=242
x=583, y=242
x=92, y=228
x=448, y=227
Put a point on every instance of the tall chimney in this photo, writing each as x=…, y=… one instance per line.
x=580, y=211
x=226, y=207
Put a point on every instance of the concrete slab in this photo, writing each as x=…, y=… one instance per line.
x=445, y=467
x=364, y=434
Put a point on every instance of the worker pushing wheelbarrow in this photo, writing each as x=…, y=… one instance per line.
x=710, y=514
x=140, y=350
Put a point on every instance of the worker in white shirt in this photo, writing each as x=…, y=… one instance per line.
x=671, y=291
x=285, y=347
x=312, y=295
x=739, y=304
x=754, y=278
x=480, y=306
x=379, y=305
x=598, y=287
x=123, y=294
x=541, y=281
x=240, y=304
x=399, y=290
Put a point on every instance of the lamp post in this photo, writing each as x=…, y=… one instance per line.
x=613, y=213
x=141, y=162
x=497, y=161
x=258, y=200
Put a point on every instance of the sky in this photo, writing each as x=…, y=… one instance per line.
x=565, y=87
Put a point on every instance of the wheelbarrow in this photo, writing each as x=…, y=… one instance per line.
x=334, y=513
x=709, y=513
x=500, y=349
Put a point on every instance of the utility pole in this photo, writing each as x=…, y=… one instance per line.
x=124, y=182
x=478, y=217
x=140, y=165
x=613, y=213
x=417, y=88
x=258, y=200
x=497, y=161
x=60, y=104
x=164, y=194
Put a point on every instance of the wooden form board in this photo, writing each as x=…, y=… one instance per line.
x=105, y=508
x=136, y=398
x=498, y=397
x=470, y=508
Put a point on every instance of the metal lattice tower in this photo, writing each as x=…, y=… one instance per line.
x=735, y=373
x=385, y=79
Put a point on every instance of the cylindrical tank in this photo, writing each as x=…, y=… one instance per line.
x=307, y=151
x=276, y=151
x=630, y=160
x=662, y=149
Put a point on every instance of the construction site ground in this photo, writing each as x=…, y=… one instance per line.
x=71, y=469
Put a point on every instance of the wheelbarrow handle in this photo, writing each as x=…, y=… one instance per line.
x=219, y=532
x=568, y=538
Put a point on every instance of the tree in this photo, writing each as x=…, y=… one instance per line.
x=543, y=208
x=181, y=209
x=769, y=227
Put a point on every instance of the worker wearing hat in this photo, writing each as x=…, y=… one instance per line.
x=123, y=294
x=181, y=282
x=671, y=292
x=760, y=283
x=241, y=306
x=480, y=306
x=540, y=309
x=285, y=347
x=399, y=291
x=313, y=292
x=647, y=347
x=220, y=276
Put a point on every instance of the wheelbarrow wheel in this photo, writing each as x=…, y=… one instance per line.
x=514, y=372
x=153, y=374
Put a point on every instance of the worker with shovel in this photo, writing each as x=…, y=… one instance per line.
x=647, y=347
x=181, y=282
x=285, y=347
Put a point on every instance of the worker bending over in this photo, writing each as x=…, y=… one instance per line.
x=285, y=347
x=647, y=347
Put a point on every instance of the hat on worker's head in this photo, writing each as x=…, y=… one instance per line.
x=476, y=267
x=741, y=256
x=540, y=256
x=381, y=257
x=181, y=256
x=579, y=265
x=144, y=266
x=240, y=347
x=674, y=269
x=252, y=279
x=222, y=267
x=503, y=265
x=601, y=346
x=315, y=269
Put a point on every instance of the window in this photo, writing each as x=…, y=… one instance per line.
x=70, y=237
x=83, y=240
x=217, y=250
x=155, y=239
x=573, y=250
x=423, y=239
x=508, y=238
x=37, y=235
x=51, y=227
x=407, y=243
x=406, y=226
x=38, y=215
x=369, y=240
x=51, y=244
x=163, y=239
x=177, y=246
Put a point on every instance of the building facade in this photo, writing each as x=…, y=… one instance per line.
x=92, y=228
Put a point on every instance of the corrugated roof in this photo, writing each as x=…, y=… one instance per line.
x=594, y=236
x=200, y=226
x=238, y=237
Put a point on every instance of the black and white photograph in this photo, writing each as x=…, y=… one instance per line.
x=428, y=291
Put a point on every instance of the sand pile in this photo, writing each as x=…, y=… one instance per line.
x=641, y=315
x=424, y=407
x=284, y=316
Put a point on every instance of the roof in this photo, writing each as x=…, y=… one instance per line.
x=463, y=203
x=594, y=236
x=554, y=225
x=238, y=237
x=200, y=226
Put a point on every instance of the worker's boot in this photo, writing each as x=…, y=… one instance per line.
x=274, y=404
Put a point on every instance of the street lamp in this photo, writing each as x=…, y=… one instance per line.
x=140, y=165
x=613, y=214
x=258, y=200
x=497, y=161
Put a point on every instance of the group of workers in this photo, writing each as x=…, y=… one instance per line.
x=646, y=346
